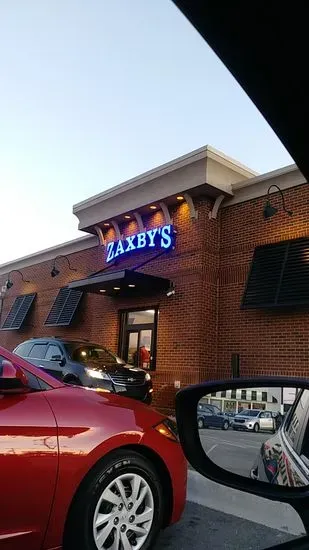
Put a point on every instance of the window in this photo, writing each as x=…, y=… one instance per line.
x=265, y=415
x=297, y=418
x=38, y=351
x=91, y=354
x=254, y=395
x=243, y=394
x=34, y=382
x=264, y=395
x=23, y=349
x=52, y=351
x=143, y=317
x=137, y=339
x=233, y=394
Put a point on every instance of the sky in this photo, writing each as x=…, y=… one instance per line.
x=94, y=93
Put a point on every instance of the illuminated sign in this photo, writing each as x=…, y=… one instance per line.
x=159, y=238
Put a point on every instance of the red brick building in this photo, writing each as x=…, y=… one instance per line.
x=178, y=287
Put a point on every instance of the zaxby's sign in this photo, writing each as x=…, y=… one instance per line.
x=159, y=238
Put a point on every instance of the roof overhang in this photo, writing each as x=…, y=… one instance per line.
x=203, y=172
x=125, y=283
x=264, y=45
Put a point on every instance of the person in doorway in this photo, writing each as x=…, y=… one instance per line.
x=144, y=357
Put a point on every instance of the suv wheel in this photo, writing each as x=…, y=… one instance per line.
x=256, y=428
x=200, y=423
x=73, y=381
x=120, y=506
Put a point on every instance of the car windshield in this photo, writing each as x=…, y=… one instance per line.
x=91, y=353
x=248, y=412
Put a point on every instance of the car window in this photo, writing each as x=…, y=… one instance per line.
x=34, y=382
x=207, y=411
x=295, y=423
x=52, y=350
x=87, y=353
x=38, y=351
x=265, y=415
x=23, y=349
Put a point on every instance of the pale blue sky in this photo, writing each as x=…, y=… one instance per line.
x=95, y=92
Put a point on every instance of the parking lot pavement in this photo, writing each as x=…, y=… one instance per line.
x=235, y=451
x=201, y=527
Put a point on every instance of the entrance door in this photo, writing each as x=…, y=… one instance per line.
x=138, y=333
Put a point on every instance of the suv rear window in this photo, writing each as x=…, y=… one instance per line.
x=23, y=349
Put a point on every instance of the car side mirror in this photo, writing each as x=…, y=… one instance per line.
x=12, y=378
x=260, y=463
x=58, y=359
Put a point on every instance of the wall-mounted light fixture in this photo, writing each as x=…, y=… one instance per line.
x=171, y=290
x=9, y=283
x=270, y=210
x=54, y=271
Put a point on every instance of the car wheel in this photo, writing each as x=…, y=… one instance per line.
x=120, y=506
x=256, y=428
x=200, y=423
x=225, y=425
x=72, y=381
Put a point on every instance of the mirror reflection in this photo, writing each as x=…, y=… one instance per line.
x=261, y=433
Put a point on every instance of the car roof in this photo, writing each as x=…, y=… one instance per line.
x=265, y=48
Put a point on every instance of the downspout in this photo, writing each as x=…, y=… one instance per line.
x=218, y=296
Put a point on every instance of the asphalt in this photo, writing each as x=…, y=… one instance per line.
x=235, y=451
x=202, y=527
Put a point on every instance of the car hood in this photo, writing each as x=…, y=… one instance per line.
x=91, y=408
x=114, y=368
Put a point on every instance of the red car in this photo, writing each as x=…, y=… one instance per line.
x=80, y=468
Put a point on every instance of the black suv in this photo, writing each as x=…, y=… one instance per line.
x=82, y=363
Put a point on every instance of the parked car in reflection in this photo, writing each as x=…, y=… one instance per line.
x=210, y=416
x=83, y=363
x=254, y=420
x=284, y=458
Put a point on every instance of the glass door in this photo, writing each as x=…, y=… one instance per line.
x=137, y=338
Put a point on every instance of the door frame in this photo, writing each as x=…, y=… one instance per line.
x=124, y=329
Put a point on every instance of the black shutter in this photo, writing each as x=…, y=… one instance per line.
x=63, y=308
x=279, y=275
x=294, y=288
x=18, y=312
x=262, y=284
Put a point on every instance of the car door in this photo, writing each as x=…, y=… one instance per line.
x=213, y=418
x=50, y=363
x=28, y=468
x=266, y=421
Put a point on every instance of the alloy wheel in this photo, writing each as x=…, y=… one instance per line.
x=124, y=514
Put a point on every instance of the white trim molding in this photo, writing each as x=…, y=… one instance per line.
x=70, y=247
x=215, y=209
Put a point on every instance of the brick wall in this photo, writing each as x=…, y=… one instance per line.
x=202, y=325
x=268, y=342
x=186, y=339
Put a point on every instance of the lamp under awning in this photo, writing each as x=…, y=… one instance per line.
x=123, y=283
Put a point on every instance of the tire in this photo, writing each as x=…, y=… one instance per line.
x=200, y=423
x=72, y=381
x=225, y=425
x=256, y=428
x=124, y=468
